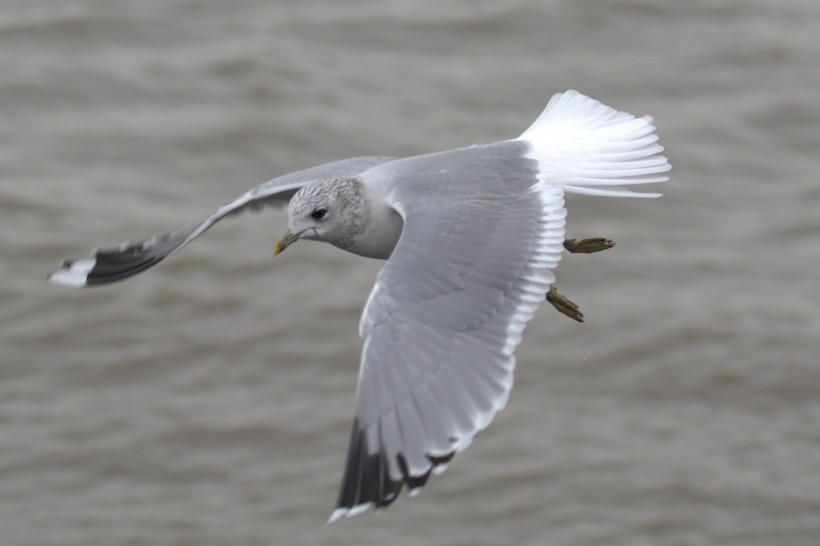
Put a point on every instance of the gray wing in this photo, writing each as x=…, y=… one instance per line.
x=115, y=264
x=471, y=266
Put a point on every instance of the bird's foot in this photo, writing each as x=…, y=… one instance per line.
x=576, y=246
x=564, y=305
x=588, y=246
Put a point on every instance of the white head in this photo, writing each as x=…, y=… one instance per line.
x=332, y=210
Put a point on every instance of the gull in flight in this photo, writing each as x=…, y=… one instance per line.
x=471, y=237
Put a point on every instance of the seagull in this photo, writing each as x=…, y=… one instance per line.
x=471, y=237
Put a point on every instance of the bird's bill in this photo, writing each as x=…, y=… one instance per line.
x=285, y=241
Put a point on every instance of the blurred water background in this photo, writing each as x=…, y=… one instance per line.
x=208, y=401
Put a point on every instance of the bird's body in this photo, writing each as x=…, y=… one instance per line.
x=471, y=237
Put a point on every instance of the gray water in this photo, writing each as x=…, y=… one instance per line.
x=208, y=401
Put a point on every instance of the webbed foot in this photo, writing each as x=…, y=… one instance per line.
x=588, y=246
x=564, y=305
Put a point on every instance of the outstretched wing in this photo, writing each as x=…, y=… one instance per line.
x=446, y=313
x=483, y=227
x=114, y=264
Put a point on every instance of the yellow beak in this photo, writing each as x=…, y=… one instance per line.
x=285, y=241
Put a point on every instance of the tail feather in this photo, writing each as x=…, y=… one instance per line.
x=587, y=147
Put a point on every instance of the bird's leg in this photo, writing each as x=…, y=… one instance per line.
x=588, y=246
x=575, y=246
x=564, y=305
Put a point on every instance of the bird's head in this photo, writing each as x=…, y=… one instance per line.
x=331, y=210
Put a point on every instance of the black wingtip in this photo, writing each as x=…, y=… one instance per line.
x=116, y=265
x=104, y=267
x=367, y=481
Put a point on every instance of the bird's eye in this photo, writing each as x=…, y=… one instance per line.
x=318, y=213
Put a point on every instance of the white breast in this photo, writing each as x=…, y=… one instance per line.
x=381, y=234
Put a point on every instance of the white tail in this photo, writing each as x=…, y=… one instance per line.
x=587, y=147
